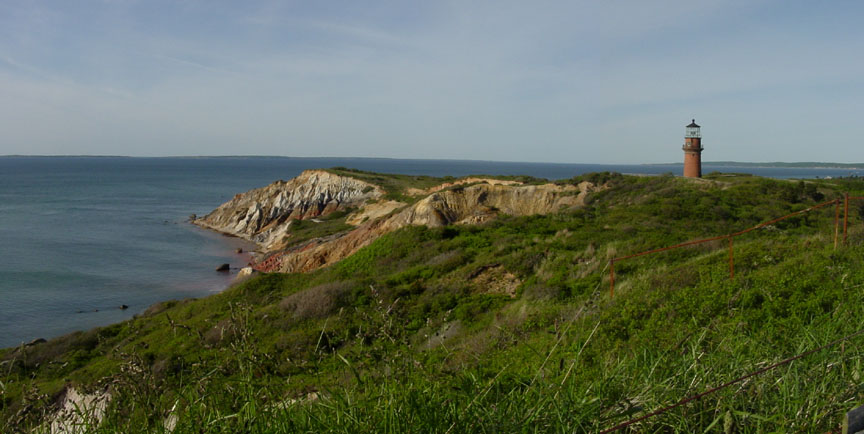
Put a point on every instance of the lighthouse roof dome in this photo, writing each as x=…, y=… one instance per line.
x=693, y=124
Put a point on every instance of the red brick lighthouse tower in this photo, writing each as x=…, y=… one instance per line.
x=692, y=151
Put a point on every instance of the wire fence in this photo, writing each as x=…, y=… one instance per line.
x=731, y=382
x=845, y=224
x=730, y=237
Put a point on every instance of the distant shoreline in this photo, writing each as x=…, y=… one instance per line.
x=778, y=164
x=775, y=164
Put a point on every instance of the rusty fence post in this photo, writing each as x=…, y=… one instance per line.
x=731, y=260
x=845, y=217
x=612, y=278
x=836, y=221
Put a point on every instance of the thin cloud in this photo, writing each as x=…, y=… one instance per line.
x=547, y=81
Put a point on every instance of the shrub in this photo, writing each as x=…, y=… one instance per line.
x=223, y=330
x=317, y=301
x=541, y=292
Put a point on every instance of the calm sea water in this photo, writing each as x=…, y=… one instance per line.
x=81, y=236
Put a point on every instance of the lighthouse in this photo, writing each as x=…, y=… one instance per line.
x=692, y=151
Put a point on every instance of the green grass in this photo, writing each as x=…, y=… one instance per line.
x=402, y=336
x=302, y=231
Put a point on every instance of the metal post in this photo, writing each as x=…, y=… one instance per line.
x=845, y=218
x=731, y=261
x=836, y=221
x=611, y=278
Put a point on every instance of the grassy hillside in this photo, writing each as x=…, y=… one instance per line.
x=506, y=326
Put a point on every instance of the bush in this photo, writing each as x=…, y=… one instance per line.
x=317, y=301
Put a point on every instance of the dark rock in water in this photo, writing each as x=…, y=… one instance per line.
x=123, y=307
x=239, y=250
x=224, y=267
x=193, y=217
x=36, y=341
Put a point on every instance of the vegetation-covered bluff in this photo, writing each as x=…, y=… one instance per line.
x=482, y=305
x=336, y=200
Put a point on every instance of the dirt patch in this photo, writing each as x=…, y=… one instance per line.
x=373, y=211
x=494, y=279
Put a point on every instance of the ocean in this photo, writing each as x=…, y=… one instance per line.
x=82, y=236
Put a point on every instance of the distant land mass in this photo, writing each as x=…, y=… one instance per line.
x=775, y=164
x=803, y=164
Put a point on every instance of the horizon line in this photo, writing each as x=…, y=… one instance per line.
x=722, y=162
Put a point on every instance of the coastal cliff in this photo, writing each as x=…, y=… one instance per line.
x=471, y=205
x=265, y=215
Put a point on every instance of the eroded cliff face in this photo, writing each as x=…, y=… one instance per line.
x=480, y=202
x=463, y=181
x=264, y=215
x=470, y=205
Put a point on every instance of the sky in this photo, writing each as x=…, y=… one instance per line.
x=546, y=81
